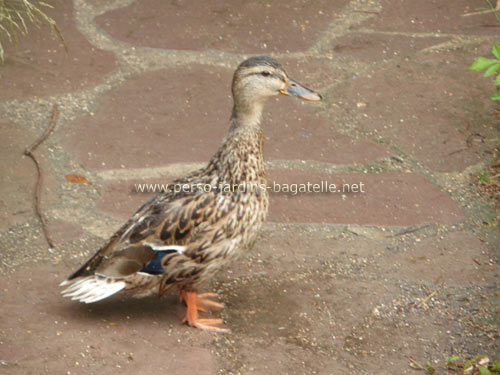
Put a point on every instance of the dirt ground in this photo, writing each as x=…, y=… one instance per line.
x=337, y=283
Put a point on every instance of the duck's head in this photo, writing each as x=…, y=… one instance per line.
x=261, y=77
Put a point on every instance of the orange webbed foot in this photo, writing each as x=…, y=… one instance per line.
x=192, y=299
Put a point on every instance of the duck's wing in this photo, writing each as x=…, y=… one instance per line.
x=163, y=225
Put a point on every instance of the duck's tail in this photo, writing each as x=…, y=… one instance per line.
x=91, y=288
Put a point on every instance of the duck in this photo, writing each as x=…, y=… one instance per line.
x=183, y=237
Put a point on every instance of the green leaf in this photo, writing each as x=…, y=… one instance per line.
x=496, y=366
x=492, y=70
x=497, y=81
x=484, y=371
x=483, y=176
x=496, y=96
x=453, y=358
x=496, y=50
x=482, y=63
x=430, y=369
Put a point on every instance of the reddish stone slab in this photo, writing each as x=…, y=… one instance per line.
x=38, y=65
x=122, y=199
x=422, y=106
x=367, y=48
x=39, y=327
x=433, y=16
x=389, y=199
x=294, y=130
x=241, y=26
x=62, y=231
x=182, y=115
x=314, y=72
x=386, y=199
x=457, y=259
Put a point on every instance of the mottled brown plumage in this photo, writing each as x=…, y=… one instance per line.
x=181, y=238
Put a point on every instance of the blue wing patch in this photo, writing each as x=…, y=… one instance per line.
x=154, y=266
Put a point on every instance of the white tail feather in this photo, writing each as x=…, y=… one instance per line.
x=92, y=288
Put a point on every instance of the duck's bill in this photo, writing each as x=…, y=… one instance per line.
x=296, y=89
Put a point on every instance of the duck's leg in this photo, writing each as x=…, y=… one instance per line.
x=192, y=299
x=202, y=301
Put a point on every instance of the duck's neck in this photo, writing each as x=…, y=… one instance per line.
x=246, y=114
x=240, y=157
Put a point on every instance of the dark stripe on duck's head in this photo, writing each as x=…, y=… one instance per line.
x=261, y=61
x=265, y=73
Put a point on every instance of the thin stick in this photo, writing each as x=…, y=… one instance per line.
x=415, y=365
x=486, y=11
x=491, y=10
x=365, y=11
x=29, y=152
x=424, y=301
x=411, y=230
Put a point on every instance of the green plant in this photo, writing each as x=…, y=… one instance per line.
x=492, y=67
x=15, y=13
x=480, y=365
x=428, y=367
x=483, y=176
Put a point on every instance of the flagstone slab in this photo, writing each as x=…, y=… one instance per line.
x=40, y=327
x=427, y=16
x=383, y=199
x=241, y=26
x=365, y=48
x=317, y=73
x=38, y=65
x=62, y=231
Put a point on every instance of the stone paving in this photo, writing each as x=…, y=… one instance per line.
x=338, y=283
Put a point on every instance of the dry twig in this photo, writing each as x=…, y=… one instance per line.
x=491, y=10
x=486, y=11
x=411, y=229
x=428, y=297
x=29, y=152
x=366, y=11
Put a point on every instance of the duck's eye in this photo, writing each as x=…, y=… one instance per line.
x=265, y=73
